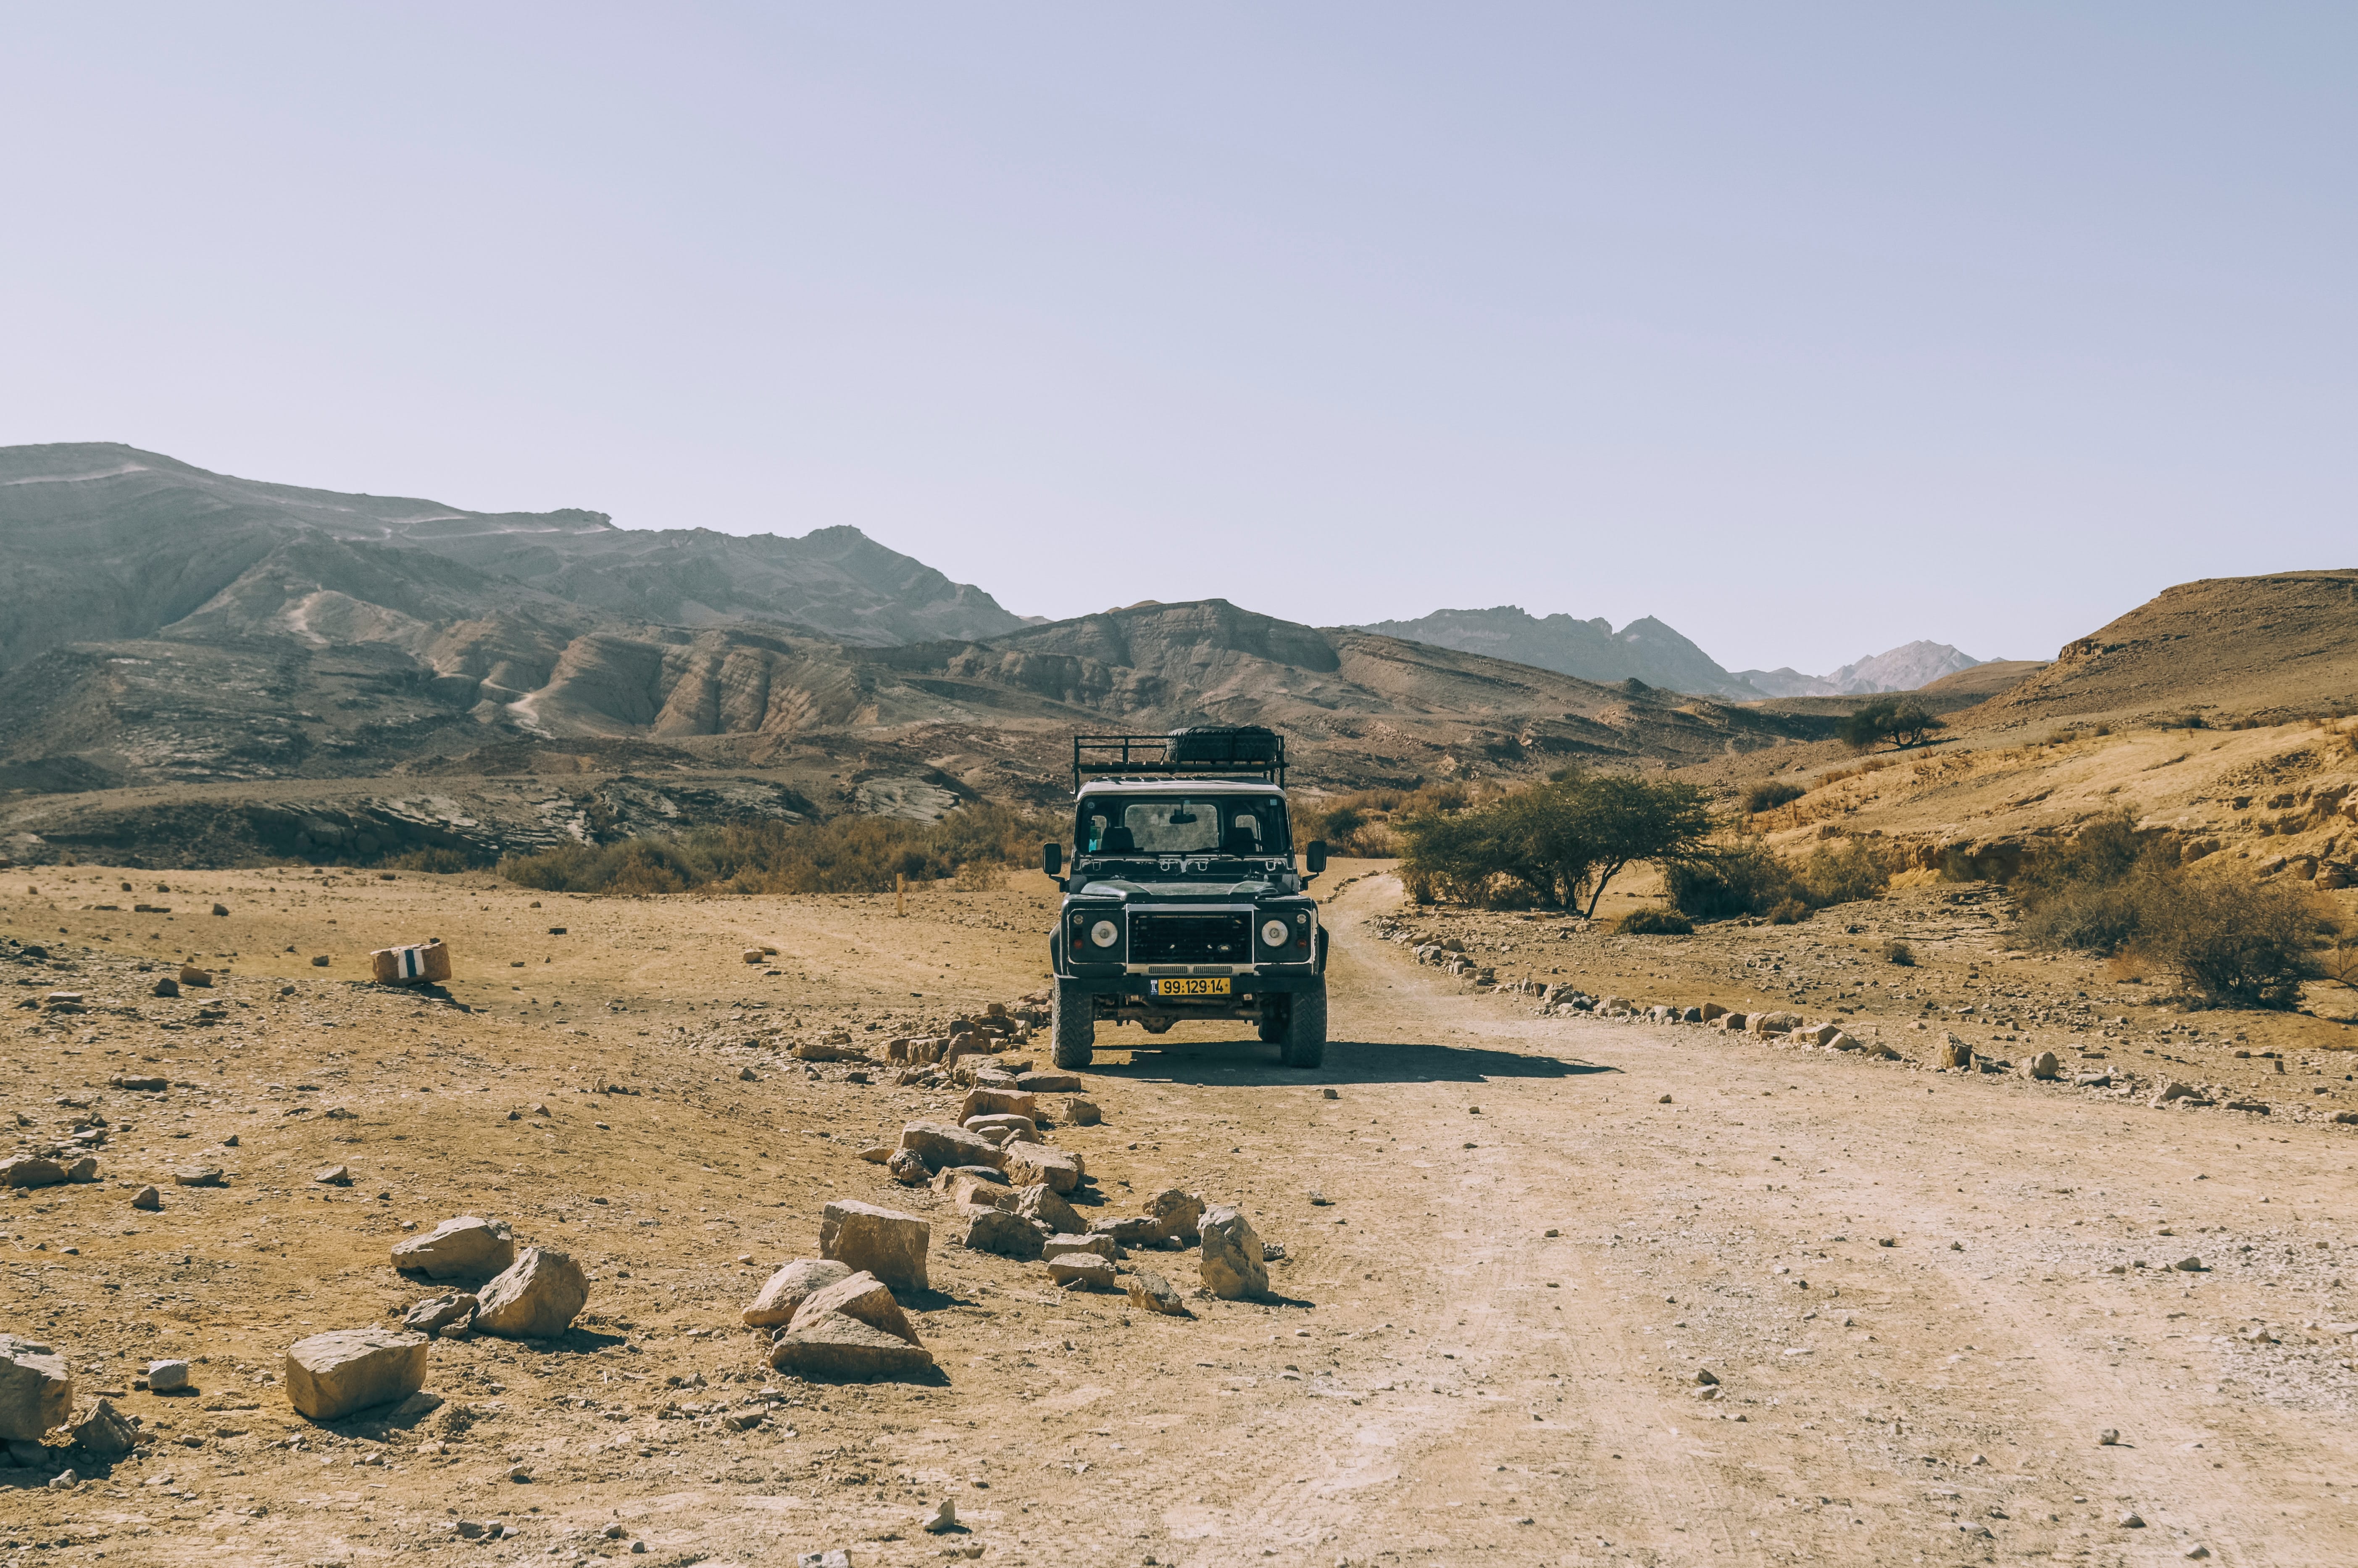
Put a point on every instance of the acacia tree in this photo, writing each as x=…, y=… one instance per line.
x=1561, y=841
x=1902, y=721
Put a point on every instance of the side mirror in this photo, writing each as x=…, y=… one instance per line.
x=1052, y=858
x=1313, y=855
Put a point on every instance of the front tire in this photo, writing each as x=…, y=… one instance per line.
x=1075, y=1022
x=1305, y=1041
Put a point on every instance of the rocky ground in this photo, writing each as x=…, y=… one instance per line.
x=1553, y=1289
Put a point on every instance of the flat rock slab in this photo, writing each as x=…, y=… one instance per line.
x=35, y=1389
x=467, y=1248
x=1084, y=1269
x=1065, y=1245
x=786, y=1289
x=332, y=1375
x=940, y=1146
x=1027, y=1162
x=31, y=1171
x=889, y=1245
x=436, y=1313
x=1048, y=1083
x=997, y=1102
x=839, y=1347
x=536, y=1298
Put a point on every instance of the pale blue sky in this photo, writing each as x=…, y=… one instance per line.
x=1810, y=329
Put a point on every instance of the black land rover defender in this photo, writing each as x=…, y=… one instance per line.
x=1183, y=901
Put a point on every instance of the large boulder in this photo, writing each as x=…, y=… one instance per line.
x=786, y=1289
x=996, y=1230
x=940, y=1146
x=1232, y=1257
x=1179, y=1213
x=1027, y=1162
x=861, y=1296
x=35, y=1389
x=536, y=1298
x=467, y=1248
x=1043, y=1204
x=886, y=1244
x=332, y=1375
x=839, y=1347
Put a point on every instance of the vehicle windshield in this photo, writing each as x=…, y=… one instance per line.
x=1180, y=824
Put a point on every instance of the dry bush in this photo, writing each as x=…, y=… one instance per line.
x=1792, y=912
x=1655, y=922
x=2234, y=943
x=2115, y=891
x=850, y=854
x=1841, y=876
x=1899, y=953
x=1770, y=794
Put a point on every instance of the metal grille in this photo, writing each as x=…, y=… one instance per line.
x=1191, y=939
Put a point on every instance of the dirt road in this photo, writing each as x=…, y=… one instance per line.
x=1900, y=1280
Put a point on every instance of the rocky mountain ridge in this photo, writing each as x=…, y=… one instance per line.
x=1652, y=650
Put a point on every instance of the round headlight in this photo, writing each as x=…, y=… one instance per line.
x=1105, y=934
x=1274, y=933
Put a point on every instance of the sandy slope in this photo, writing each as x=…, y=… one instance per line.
x=1439, y=1379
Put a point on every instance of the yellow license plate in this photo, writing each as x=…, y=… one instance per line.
x=1206, y=986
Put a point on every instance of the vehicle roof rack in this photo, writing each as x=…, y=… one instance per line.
x=1206, y=751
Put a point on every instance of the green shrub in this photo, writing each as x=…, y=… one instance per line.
x=1899, y=953
x=1770, y=794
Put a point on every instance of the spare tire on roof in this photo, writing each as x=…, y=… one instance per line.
x=1220, y=745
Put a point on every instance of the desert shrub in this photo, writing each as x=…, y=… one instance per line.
x=1902, y=721
x=443, y=862
x=1898, y=952
x=2090, y=894
x=1655, y=922
x=2233, y=943
x=1361, y=822
x=1746, y=879
x=1770, y=794
x=850, y=854
x=1841, y=876
x=979, y=875
x=2094, y=918
x=2114, y=891
x=1790, y=912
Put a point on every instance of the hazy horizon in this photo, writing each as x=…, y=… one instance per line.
x=1810, y=333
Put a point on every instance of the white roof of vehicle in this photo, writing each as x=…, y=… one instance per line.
x=1177, y=787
